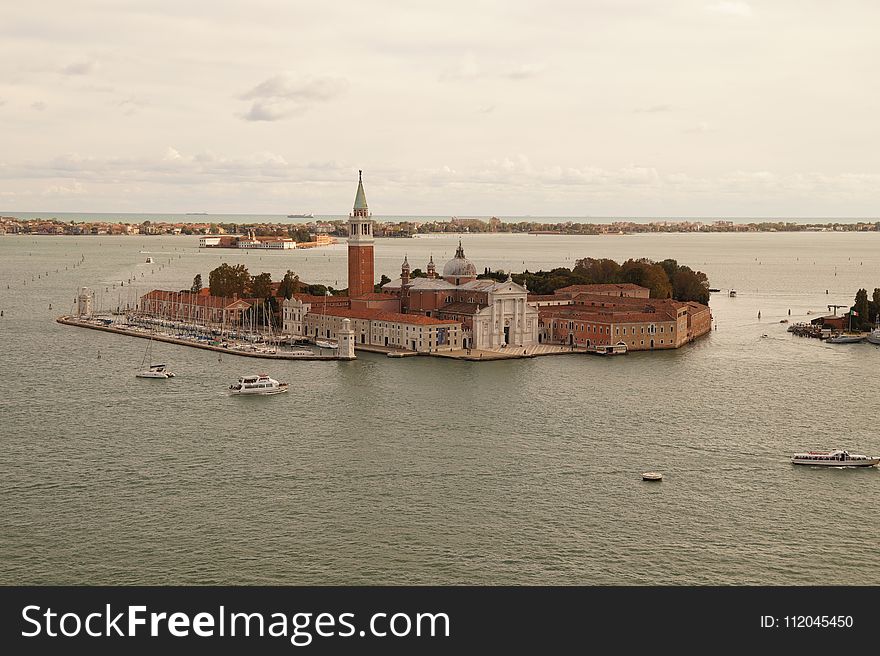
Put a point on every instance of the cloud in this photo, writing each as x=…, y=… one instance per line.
x=131, y=104
x=654, y=109
x=282, y=96
x=731, y=8
x=699, y=128
x=74, y=189
x=483, y=109
x=467, y=68
x=522, y=72
x=79, y=68
x=39, y=106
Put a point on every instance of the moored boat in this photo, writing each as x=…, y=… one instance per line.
x=260, y=384
x=846, y=338
x=836, y=458
x=874, y=336
x=324, y=343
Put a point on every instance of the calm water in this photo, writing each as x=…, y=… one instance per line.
x=432, y=471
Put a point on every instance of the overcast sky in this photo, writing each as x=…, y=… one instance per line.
x=568, y=108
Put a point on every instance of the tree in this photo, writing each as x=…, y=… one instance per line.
x=382, y=281
x=647, y=274
x=228, y=280
x=875, y=305
x=289, y=285
x=197, y=284
x=597, y=271
x=861, y=318
x=261, y=286
x=690, y=285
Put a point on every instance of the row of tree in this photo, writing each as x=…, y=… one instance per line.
x=235, y=280
x=666, y=279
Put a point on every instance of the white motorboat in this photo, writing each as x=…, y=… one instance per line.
x=155, y=371
x=259, y=384
x=652, y=476
x=323, y=343
x=874, y=337
x=836, y=458
x=845, y=338
x=150, y=260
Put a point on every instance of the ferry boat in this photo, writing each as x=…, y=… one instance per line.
x=610, y=349
x=836, y=458
x=260, y=384
x=308, y=215
x=155, y=371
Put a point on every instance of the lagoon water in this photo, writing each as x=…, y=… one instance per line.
x=421, y=470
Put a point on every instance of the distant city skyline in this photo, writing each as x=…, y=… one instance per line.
x=595, y=109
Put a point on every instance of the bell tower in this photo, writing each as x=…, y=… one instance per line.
x=361, y=277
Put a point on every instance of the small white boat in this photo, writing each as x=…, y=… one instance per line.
x=652, y=476
x=150, y=260
x=155, y=371
x=260, y=384
x=324, y=343
x=836, y=458
x=732, y=293
x=874, y=337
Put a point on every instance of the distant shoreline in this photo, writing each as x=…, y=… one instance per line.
x=409, y=228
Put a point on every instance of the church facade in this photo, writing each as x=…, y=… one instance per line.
x=492, y=314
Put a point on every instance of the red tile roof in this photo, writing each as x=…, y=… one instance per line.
x=197, y=300
x=609, y=287
x=380, y=315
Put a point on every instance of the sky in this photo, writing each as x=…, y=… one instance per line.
x=558, y=108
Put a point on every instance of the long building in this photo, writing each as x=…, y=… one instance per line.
x=589, y=316
x=372, y=327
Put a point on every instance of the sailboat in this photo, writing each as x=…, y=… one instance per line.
x=326, y=343
x=149, y=370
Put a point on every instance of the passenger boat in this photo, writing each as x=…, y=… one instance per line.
x=260, y=384
x=652, y=476
x=836, y=458
x=609, y=349
x=155, y=371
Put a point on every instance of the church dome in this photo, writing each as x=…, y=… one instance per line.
x=459, y=266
